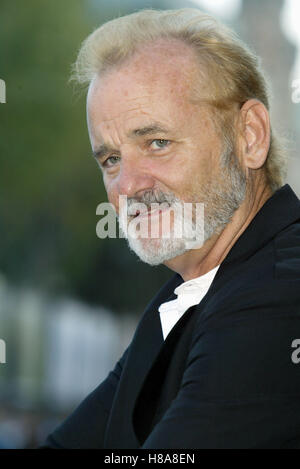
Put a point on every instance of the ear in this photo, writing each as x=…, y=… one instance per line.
x=255, y=133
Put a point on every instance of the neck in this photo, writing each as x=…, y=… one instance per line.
x=197, y=262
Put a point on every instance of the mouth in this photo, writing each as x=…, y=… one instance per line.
x=149, y=213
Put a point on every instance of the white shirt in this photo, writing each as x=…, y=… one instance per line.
x=189, y=293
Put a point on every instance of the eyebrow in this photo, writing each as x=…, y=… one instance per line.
x=102, y=150
x=148, y=130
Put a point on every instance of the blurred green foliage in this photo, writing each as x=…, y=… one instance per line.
x=50, y=185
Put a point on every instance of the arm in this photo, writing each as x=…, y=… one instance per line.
x=240, y=388
x=85, y=427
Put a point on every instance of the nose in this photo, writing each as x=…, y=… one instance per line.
x=133, y=178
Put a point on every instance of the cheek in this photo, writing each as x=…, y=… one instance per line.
x=112, y=193
x=194, y=177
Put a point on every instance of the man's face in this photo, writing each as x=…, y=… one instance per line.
x=154, y=144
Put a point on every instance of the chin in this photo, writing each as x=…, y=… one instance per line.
x=157, y=251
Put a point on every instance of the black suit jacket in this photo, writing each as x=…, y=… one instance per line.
x=224, y=377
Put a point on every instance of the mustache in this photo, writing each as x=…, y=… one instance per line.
x=146, y=199
x=150, y=197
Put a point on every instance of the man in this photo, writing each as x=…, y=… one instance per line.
x=178, y=114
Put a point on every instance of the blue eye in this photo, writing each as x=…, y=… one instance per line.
x=160, y=142
x=111, y=161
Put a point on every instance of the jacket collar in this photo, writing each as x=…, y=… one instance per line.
x=278, y=212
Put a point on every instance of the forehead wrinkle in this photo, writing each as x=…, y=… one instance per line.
x=123, y=114
x=112, y=123
x=117, y=116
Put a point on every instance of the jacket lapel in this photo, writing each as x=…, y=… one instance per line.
x=163, y=379
x=145, y=347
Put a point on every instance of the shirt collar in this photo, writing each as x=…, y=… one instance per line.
x=196, y=284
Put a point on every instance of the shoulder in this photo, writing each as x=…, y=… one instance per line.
x=287, y=253
x=252, y=317
x=265, y=285
x=245, y=347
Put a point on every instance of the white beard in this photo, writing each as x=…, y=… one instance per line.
x=220, y=202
